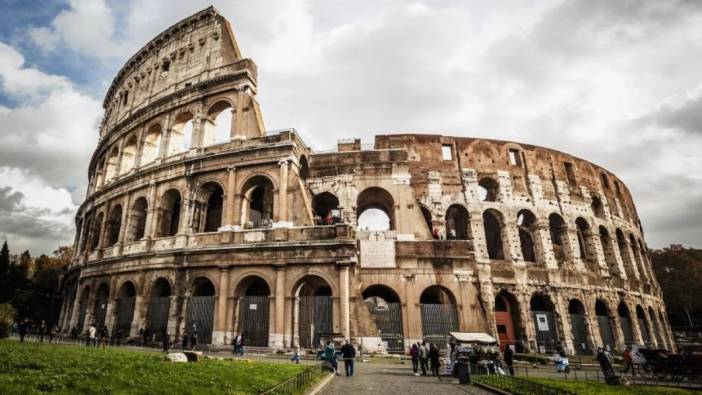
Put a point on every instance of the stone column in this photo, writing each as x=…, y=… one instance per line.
x=283, y=194
x=229, y=196
x=344, y=298
x=138, y=317
x=277, y=337
x=629, y=259
x=151, y=212
x=510, y=241
x=219, y=336
x=542, y=239
x=571, y=248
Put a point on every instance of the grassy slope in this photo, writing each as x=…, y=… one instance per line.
x=589, y=387
x=31, y=368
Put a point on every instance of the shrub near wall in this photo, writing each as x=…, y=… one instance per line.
x=7, y=317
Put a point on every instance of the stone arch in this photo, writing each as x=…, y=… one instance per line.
x=488, y=189
x=624, y=252
x=129, y=154
x=578, y=326
x=625, y=322
x=95, y=232
x=313, y=313
x=112, y=164
x=559, y=234
x=152, y=143
x=644, y=327
x=114, y=225
x=209, y=207
x=99, y=173
x=482, y=152
x=609, y=253
x=253, y=292
x=219, y=122
x=169, y=213
x=526, y=225
x=439, y=314
x=181, y=138
x=457, y=223
x=507, y=320
x=124, y=314
x=325, y=207
x=493, y=227
x=102, y=295
x=200, y=317
x=257, y=194
x=544, y=315
x=597, y=206
x=585, y=243
x=385, y=308
x=159, y=305
x=605, y=324
x=382, y=204
x=137, y=219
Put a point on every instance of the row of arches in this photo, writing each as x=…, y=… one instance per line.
x=187, y=130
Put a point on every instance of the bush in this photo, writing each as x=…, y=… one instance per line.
x=7, y=317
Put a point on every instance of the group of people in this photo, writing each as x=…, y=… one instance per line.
x=347, y=354
x=425, y=355
x=42, y=329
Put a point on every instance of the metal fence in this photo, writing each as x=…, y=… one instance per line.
x=437, y=321
x=298, y=383
x=480, y=374
x=388, y=320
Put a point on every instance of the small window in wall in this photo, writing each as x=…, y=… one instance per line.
x=515, y=158
x=125, y=97
x=605, y=181
x=165, y=66
x=570, y=173
x=446, y=152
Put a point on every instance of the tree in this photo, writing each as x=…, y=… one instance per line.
x=4, y=259
x=7, y=317
x=679, y=272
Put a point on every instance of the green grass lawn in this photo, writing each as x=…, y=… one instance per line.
x=35, y=368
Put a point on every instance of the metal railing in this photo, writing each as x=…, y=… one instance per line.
x=298, y=383
x=481, y=374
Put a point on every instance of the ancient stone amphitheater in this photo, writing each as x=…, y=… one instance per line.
x=196, y=215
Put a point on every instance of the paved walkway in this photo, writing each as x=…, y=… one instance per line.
x=375, y=378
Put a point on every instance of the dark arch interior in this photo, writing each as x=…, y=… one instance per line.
x=525, y=223
x=170, y=218
x=213, y=207
x=601, y=308
x=304, y=167
x=114, y=224
x=576, y=307
x=138, y=220
x=103, y=292
x=488, y=189
x=493, y=235
x=502, y=303
x=127, y=290
x=457, y=223
x=161, y=288
x=326, y=207
x=436, y=295
x=314, y=286
x=623, y=310
x=259, y=191
x=203, y=287
x=597, y=207
x=375, y=198
x=426, y=214
x=254, y=286
x=541, y=303
x=640, y=312
x=381, y=292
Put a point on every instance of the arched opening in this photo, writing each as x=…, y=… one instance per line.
x=375, y=210
x=125, y=308
x=507, y=320
x=608, y=250
x=100, y=307
x=152, y=144
x=325, y=206
x=95, y=231
x=597, y=207
x=624, y=253
x=257, y=205
x=385, y=309
x=664, y=327
x=643, y=325
x=488, y=189
x=112, y=166
x=114, y=224
x=254, y=302
x=656, y=328
x=637, y=257
x=169, y=213
x=219, y=124
x=426, y=214
x=129, y=153
x=181, y=134
x=558, y=231
x=578, y=325
x=439, y=314
x=457, y=224
x=100, y=173
x=526, y=223
x=625, y=323
x=208, y=208
x=304, y=167
x=542, y=310
x=584, y=233
x=313, y=312
x=83, y=308
x=137, y=220
x=492, y=223
x=159, y=308
x=604, y=322
x=201, y=310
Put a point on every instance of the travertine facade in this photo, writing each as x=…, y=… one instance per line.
x=196, y=215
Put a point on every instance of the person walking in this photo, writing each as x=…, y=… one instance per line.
x=296, y=354
x=423, y=357
x=193, y=337
x=53, y=330
x=239, y=345
x=104, y=335
x=92, y=336
x=414, y=355
x=349, y=354
x=628, y=361
x=509, y=359
x=434, y=360
x=22, y=330
x=42, y=331
x=605, y=361
x=330, y=356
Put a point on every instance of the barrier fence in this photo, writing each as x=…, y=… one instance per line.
x=298, y=383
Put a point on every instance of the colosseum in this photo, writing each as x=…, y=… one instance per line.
x=196, y=215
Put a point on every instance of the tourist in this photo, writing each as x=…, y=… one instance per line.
x=330, y=356
x=628, y=361
x=42, y=331
x=193, y=337
x=53, y=330
x=296, y=354
x=414, y=355
x=349, y=354
x=104, y=335
x=605, y=361
x=165, y=341
x=92, y=333
x=509, y=359
x=238, y=343
x=423, y=357
x=434, y=360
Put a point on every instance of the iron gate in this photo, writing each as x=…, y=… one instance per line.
x=200, y=314
x=578, y=325
x=315, y=320
x=626, y=330
x=125, y=314
x=605, y=324
x=81, y=314
x=100, y=312
x=644, y=331
x=157, y=317
x=545, y=326
x=388, y=320
x=437, y=321
x=253, y=324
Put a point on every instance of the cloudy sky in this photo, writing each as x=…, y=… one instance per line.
x=616, y=82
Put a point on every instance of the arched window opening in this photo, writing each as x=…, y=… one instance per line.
x=125, y=308
x=597, y=207
x=559, y=233
x=638, y=260
x=314, y=320
x=375, y=210
x=457, y=224
x=181, y=134
x=137, y=220
x=439, y=314
x=219, y=124
x=209, y=207
x=583, y=231
x=624, y=253
x=608, y=251
x=304, y=167
x=488, y=189
x=578, y=324
x=386, y=312
x=493, y=234
x=545, y=325
x=112, y=165
x=253, y=325
x=426, y=214
x=152, y=144
x=507, y=320
x=170, y=213
x=100, y=308
x=625, y=322
x=129, y=153
x=526, y=221
x=643, y=325
x=201, y=310
x=258, y=203
x=95, y=231
x=158, y=308
x=114, y=224
x=100, y=173
x=604, y=322
x=325, y=206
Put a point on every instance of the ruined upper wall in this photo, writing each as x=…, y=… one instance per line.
x=196, y=49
